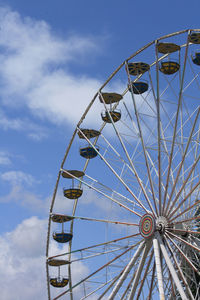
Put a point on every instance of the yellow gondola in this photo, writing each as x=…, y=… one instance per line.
x=61, y=218
x=169, y=67
x=54, y=262
x=194, y=38
x=75, y=173
x=59, y=282
x=73, y=193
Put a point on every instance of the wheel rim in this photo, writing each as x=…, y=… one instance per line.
x=146, y=173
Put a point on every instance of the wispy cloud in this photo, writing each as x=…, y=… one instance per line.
x=5, y=158
x=18, y=177
x=21, y=188
x=34, y=131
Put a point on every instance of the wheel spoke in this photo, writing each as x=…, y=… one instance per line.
x=100, y=220
x=126, y=271
x=129, y=159
x=144, y=276
x=183, y=159
x=171, y=268
x=142, y=142
x=158, y=269
x=139, y=270
x=182, y=253
x=111, y=285
x=186, y=210
x=188, y=195
x=176, y=123
x=185, y=242
x=152, y=282
x=110, y=167
x=179, y=269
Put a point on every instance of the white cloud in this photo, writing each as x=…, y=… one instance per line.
x=35, y=66
x=22, y=261
x=31, y=48
x=30, y=231
x=64, y=97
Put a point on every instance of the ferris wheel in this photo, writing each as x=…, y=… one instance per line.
x=124, y=219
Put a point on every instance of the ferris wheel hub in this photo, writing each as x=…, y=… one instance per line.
x=161, y=224
x=147, y=225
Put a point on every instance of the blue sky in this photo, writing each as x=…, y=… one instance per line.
x=54, y=55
